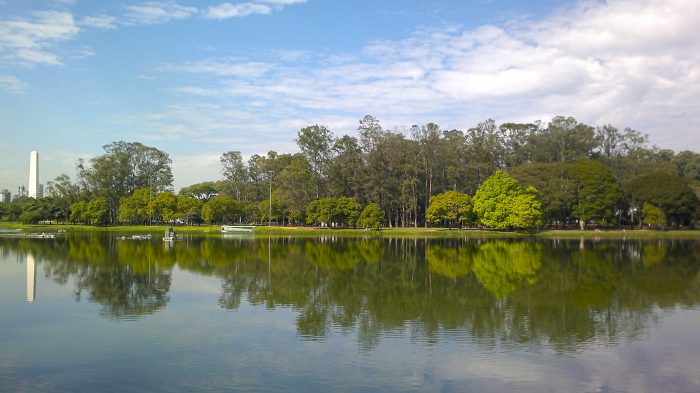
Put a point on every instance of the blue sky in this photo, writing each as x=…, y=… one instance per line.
x=198, y=78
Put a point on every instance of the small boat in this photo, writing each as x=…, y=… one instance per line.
x=236, y=229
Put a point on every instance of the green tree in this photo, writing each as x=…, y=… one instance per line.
x=163, y=207
x=669, y=192
x=346, y=171
x=315, y=143
x=202, y=191
x=346, y=211
x=501, y=203
x=221, y=209
x=554, y=189
x=264, y=210
x=371, y=217
x=134, y=208
x=653, y=216
x=124, y=168
x=295, y=188
x=97, y=211
x=596, y=191
x=32, y=214
x=189, y=209
x=235, y=172
x=565, y=140
x=78, y=213
x=450, y=207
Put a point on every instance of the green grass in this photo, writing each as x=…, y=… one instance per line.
x=386, y=232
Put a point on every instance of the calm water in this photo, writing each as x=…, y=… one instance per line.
x=209, y=314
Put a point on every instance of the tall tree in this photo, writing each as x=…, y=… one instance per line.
x=596, y=192
x=125, y=167
x=565, y=140
x=346, y=172
x=315, y=143
x=234, y=171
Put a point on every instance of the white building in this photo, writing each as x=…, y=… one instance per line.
x=34, y=175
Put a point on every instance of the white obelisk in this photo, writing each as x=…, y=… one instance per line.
x=31, y=278
x=33, y=174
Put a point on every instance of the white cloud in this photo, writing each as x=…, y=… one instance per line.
x=84, y=52
x=240, y=10
x=157, y=12
x=28, y=42
x=13, y=84
x=104, y=22
x=629, y=63
x=228, y=10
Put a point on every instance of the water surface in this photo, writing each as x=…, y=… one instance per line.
x=227, y=313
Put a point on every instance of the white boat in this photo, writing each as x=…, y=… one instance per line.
x=236, y=229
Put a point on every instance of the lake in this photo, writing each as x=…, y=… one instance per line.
x=97, y=313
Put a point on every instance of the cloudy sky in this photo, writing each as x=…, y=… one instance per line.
x=198, y=78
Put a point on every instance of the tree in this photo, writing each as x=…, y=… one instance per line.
x=688, y=164
x=669, y=192
x=221, y=209
x=595, y=190
x=234, y=171
x=264, y=211
x=295, y=188
x=371, y=217
x=653, y=216
x=31, y=215
x=97, y=211
x=163, y=207
x=346, y=170
x=315, y=143
x=346, y=211
x=565, y=140
x=189, y=209
x=79, y=212
x=202, y=191
x=450, y=207
x=134, y=208
x=124, y=168
x=501, y=203
x=555, y=190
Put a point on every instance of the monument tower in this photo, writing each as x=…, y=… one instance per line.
x=34, y=174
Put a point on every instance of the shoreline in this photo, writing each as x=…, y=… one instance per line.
x=385, y=232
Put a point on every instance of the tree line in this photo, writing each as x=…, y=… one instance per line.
x=557, y=175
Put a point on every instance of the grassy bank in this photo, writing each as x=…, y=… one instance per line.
x=386, y=232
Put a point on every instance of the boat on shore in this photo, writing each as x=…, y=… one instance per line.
x=236, y=229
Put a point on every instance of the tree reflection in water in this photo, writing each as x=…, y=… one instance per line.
x=565, y=294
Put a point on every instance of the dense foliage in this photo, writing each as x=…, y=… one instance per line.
x=580, y=176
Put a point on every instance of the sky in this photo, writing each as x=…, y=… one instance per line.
x=200, y=78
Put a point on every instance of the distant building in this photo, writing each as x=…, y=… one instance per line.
x=5, y=196
x=34, y=174
x=40, y=191
x=21, y=191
